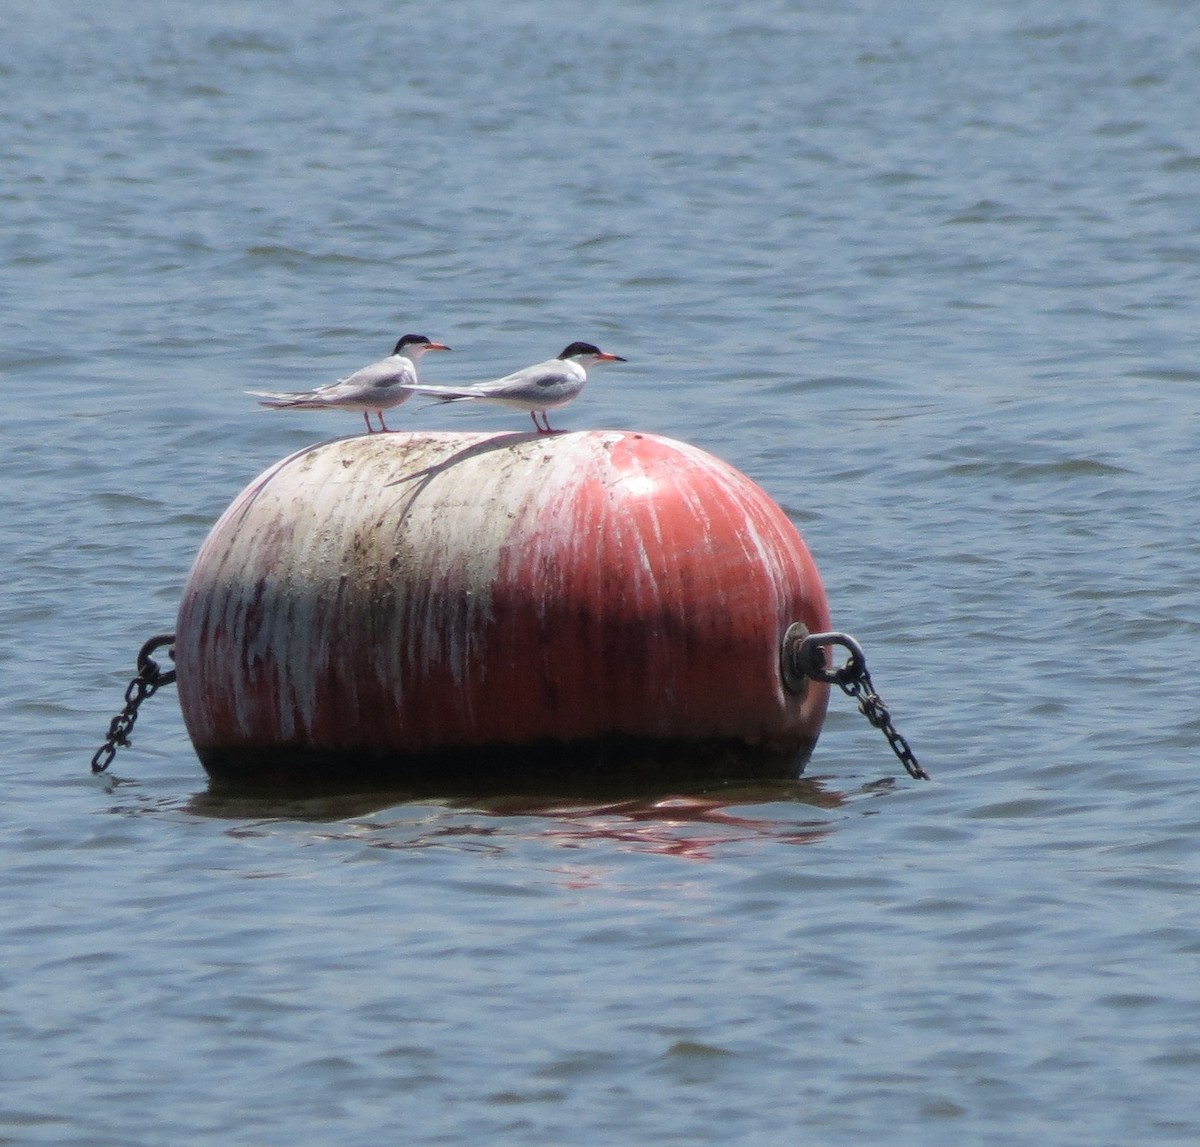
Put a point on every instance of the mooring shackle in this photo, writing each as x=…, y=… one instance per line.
x=148, y=668
x=802, y=657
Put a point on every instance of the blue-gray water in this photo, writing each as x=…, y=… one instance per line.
x=928, y=273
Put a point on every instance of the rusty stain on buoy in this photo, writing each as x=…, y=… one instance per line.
x=437, y=606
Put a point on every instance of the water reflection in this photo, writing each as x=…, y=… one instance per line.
x=337, y=802
x=680, y=823
x=691, y=827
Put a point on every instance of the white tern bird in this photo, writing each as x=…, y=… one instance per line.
x=536, y=389
x=377, y=387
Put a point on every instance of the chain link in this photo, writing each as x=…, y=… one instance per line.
x=871, y=706
x=854, y=680
x=150, y=678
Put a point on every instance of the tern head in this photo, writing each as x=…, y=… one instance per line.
x=586, y=354
x=413, y=346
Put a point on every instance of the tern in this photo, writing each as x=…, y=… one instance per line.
x=377, y=387
x=536, y=389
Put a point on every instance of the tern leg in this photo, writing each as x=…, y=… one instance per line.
x=382, y=425
x=367, y=420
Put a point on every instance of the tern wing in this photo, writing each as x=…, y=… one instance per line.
x=393, y=371
x=544, y=382
x=520, y=380
x=385, y=374
x=529, y=388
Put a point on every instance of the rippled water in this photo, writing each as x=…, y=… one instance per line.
x=927, y=274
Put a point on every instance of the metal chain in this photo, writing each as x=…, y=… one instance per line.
x=150, y=678
x=871, y=706
x=807, y=657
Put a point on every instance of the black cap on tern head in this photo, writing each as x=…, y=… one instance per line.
x=576, y=350
x=417, y=340
x=410, y=340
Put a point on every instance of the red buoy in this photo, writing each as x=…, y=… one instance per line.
x=443, y=607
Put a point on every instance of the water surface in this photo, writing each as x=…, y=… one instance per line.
x=926, y=275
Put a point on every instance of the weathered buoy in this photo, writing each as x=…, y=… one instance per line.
x=448, y=607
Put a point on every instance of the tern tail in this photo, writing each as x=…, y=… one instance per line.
x=278, y=400
x=445, y=393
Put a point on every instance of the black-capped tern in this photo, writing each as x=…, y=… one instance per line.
x=536, y=389
x=377, y=387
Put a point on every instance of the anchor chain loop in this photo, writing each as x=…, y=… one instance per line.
x=806, y=658
x=150, y=678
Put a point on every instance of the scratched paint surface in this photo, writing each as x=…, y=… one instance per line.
x=425, y=591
